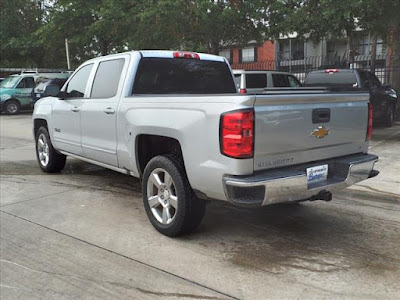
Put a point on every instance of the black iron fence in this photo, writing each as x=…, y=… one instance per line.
x=301, y=67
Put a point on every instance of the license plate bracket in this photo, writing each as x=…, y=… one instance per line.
x=317, y=174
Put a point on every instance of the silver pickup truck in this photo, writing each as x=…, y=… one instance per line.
x=176, y=121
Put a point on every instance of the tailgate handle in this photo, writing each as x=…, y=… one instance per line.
x=321, y=115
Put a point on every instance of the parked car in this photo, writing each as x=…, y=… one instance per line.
x=16, y=91
x=43, y=86
x=175, y=120
x=254, y=82
x=383, y=98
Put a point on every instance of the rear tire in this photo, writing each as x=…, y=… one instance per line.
x=50, y=161
x=12, y=107
x=170, y=203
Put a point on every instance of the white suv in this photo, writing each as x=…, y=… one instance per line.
x=254, y=82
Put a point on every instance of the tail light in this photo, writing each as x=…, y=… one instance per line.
x=370, y=122
x=330, y=71
x=184, y=54
x=242, y=91
x=237, y=133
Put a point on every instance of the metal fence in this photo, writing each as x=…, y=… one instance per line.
x=301, y=67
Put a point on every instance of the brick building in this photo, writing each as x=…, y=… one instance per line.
x=240, y=57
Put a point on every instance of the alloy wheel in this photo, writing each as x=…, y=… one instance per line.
x=43, y=150
x=162, y=196
x=12, y=108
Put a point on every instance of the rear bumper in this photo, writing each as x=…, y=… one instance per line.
x=290, y=183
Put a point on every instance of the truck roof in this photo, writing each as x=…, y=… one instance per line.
x=334, y=70
x=162, y=54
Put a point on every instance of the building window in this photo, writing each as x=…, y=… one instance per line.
x=360, y=44
x=227, y=54
x=291, y=49
x=248, y=54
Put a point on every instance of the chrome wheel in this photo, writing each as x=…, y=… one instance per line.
x=12, y=108
x=43, y=150
x=162, y=196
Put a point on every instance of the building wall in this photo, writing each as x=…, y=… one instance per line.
x=266, y=51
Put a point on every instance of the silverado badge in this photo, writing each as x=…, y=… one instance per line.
x=320, y=132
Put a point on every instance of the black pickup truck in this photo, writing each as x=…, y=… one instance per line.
x=383, y=98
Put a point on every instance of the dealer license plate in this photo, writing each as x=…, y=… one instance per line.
x=317, y=174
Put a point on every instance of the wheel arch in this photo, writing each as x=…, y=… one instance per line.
x=37, y=123
x=148, y=146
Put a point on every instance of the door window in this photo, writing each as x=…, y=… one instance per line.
x=26, y=83
x=374, y=81
x=256, y=81
x=77, y=85
x=364, y=79
x=293, y=81
x=280, y=80
x=107, y=78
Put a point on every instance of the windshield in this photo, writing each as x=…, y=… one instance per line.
x=9, y=82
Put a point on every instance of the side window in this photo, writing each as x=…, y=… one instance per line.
x=237, y=80
x=374, y=81
x=256, y=81
x=26, y=83
x=280, y=80
x=77, y=85
x=293, y=81
x=364, y=80
x=107, y=78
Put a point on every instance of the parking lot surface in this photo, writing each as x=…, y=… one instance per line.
x=83, y=233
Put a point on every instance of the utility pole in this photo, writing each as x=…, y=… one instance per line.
x=67, y=53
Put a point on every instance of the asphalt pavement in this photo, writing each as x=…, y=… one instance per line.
x=84, y=234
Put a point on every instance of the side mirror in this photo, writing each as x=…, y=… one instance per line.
x=52, y=90
x=62, y=95
x=387, y=86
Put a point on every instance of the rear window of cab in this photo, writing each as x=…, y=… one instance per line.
x=183, y=76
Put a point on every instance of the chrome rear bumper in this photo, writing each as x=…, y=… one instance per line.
x=290, y=183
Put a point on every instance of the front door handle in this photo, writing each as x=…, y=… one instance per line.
x=75, y=109
x=109, y=111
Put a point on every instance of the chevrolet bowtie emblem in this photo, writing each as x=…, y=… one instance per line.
x=320, y=132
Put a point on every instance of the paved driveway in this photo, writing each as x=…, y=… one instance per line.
x=84, y=234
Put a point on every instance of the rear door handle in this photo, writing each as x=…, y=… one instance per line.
x=109, y=111
x=75, y=109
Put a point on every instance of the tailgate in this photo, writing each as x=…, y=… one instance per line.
x=304, y=127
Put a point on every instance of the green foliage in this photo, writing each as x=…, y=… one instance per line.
x=32, y=32
x=201, y=25
x=19, y=20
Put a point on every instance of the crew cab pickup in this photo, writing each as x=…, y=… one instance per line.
x=383, y=98
x=176, y=121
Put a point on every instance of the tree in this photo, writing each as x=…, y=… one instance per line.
x=381, y=18
x=92, y=27
x=19, y=20
x=202, y=25
x=316, y=19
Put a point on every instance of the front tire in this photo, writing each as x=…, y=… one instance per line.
x=12, y=107
x=50, y=161
x=170, y=203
